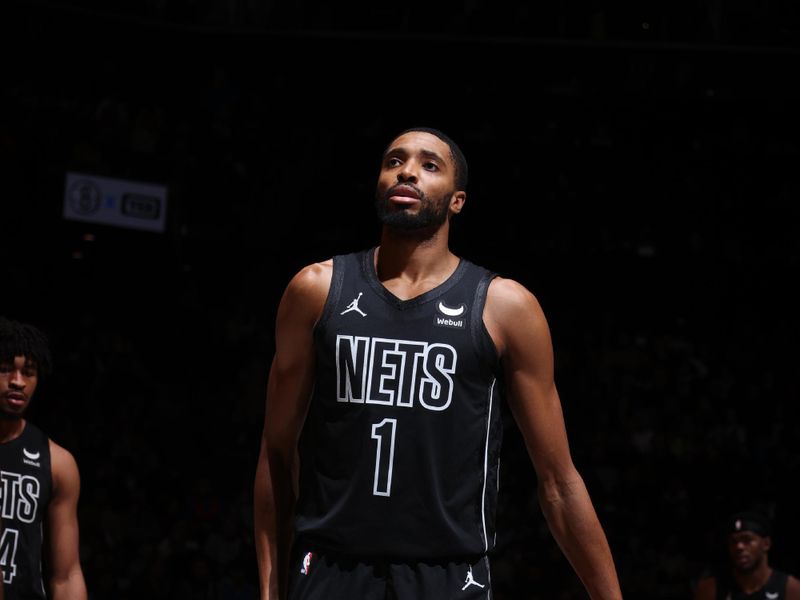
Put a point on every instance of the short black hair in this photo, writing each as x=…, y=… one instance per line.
x=24, y=339
x=462, y=169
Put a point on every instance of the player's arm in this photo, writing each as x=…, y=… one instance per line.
x=706, y=589
x=518, y=326
x=65, y=574
x=289, y=389
x=793, y=588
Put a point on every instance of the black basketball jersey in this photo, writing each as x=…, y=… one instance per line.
x=25, y=488
x=399, y=452
x=774, y=589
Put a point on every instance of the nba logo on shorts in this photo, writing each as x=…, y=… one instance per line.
x=306, y=563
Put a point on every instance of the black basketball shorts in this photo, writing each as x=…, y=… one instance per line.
x=319, y=576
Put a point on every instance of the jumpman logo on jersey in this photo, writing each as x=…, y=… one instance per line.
x=470, y=581
x=354, y=306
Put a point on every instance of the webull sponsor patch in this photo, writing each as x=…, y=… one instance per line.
x=449, y=322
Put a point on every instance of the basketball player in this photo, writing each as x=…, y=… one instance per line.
x=749, y=573
x=378, y=470
x=39, y=481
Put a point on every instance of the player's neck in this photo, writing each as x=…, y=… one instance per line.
x=10, y=429
x=409, y=267
x=754, y=580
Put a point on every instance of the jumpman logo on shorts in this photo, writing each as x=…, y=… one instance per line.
x=354, y=306
x=470, y=581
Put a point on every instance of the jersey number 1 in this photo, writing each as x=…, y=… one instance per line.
x=383, y=433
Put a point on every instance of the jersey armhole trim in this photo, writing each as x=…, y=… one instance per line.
x=480, y=335
x=334, y=292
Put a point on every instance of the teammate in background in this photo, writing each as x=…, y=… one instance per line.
x=748, y=573
x=40, y=481
x=378, y=470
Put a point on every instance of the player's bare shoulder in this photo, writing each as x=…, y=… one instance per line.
x=507, y=301
x=793, y=588
x=511, y=311
x=306, y=292
x=310, y=283
x=706, y=589
x=64, y=468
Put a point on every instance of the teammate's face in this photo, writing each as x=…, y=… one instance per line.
x=416, y=185
x=18, y=379
x=747, y=550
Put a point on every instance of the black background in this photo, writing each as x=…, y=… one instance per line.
x=635, y=167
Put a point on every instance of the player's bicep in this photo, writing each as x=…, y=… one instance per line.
x=62, y=514
x=706, y=589
x=793, y=588
x=521, y=332
x=291, y=374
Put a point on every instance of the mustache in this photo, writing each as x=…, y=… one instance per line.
x=390, y=192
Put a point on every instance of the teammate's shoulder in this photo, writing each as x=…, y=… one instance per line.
x=62, y=462
x=792, y=586
x=59, y=452
x=64, y=472
x=705, y=588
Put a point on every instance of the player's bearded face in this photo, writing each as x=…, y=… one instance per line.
x=430, y=213
x=7, y=415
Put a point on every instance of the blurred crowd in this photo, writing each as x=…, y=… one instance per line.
x=647, y=202
x=714, y=21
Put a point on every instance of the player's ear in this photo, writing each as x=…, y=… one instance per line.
x=457, y=201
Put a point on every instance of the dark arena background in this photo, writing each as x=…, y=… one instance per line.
x=636, y=166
